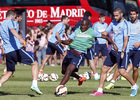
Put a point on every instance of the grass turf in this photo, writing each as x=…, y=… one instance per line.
x=18, y=87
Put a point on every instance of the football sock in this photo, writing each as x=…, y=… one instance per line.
x=34, y=83
x=134, y=86
x=100, y=90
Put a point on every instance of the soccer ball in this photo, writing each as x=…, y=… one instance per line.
x=39, y=76
x=45, y=77
x=87, y=75
x=81, y=75
x=61, y=90
x=53, y=77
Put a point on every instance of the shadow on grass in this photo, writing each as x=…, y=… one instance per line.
x=71, y=92
x=125, y=87
x=113, y=93
x=5, y=94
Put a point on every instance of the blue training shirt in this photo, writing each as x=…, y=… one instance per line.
x=119, y=31
x=60, y=28
x=11, y=43
x=134, y=35
x=98, y=28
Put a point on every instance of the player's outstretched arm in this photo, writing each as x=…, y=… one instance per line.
x=109, y=40
x=65, y=42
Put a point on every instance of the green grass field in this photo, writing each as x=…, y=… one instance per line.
x=18, y=87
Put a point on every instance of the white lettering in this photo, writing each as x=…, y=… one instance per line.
x=30, y=13
x=39, y=13
x=74, y=11
x=44, y=14
x=3, y=14
x=68, y=12
x=55, y=13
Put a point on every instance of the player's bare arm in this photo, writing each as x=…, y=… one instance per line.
x=124, y=45
x=109, y=40
x=65, y=42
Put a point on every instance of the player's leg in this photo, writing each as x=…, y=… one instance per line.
x=23, y=57
x=96, y=53
x=49, y=52
x=135, y=62
x=5, y=77
x=135, y=74
x=110, y=76
x=68, y=73
x=90, y=58
x=55, y=58
x=112, y=82
x=122, y=70
x=110, y=61
x=44, y=62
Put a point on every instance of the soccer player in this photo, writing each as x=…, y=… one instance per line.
x=89, y=54
x=14, y=53
x=100, y=45
x=80, y=41
x=56, y=35
x=134, y=47
x=121, y=33
x=18, y=18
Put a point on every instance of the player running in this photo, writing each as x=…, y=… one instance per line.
x=134, y=47
x=80, y=41
x=56, y=35
x=121, y=33
x=14, y=52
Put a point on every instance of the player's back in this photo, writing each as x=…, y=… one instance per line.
x=60, y=28
x=11, y=43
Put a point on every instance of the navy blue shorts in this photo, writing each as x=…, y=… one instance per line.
x=18, y=56
x=113, y=57
x=134, y=56
x=101, y=48
x=52, y=47
x=90, y=54
x=72, y=58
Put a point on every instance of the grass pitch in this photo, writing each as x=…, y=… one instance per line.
x=18, y=87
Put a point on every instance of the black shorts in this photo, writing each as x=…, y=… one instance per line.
x=18, y=56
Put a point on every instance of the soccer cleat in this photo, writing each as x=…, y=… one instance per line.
x=134, y=91
x=82, y=79
x=36, y=89
x=96, y=93
x=122, y=78
x=40, y=72
x=110, y=86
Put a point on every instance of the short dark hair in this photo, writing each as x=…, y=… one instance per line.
x=18, y=14
x=87, y=14
x=118, y=9
x=49, y=21
x=101, y=15
x=63, y=17
x=10, y=12
x=134, y=10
